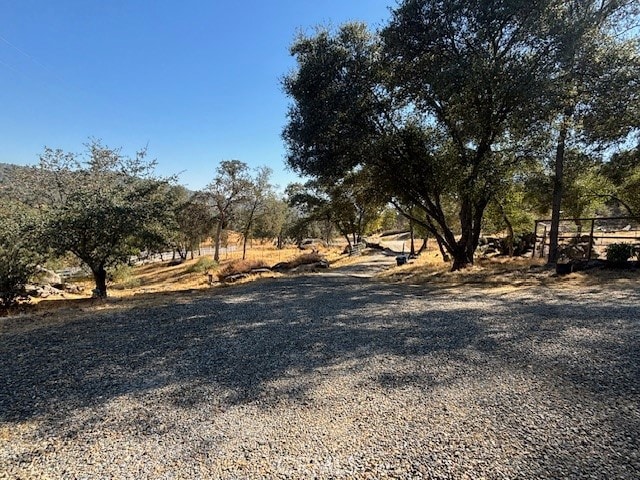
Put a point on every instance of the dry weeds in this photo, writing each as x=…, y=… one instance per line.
x=160, y=282
x=238, y=267
x=504, y=274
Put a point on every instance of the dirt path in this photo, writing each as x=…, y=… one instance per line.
x=367, y=267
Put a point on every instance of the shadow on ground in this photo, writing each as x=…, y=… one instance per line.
x=240, y=339
x=239, y=346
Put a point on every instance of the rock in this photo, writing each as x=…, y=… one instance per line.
x=281, y=267
x=311, y=267
x=261, y=270
x=70, y=288
x=235, y=277
x=47, y=277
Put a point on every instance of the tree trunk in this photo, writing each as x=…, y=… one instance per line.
x=412, y=250
x=461, y=257
x=423, y=247
x=244, y=246
x=510, y=234
x=100, y=278
x=216, y=251
x=558, y=188
x=463, y=250
x=445, y=256
x=346, y=236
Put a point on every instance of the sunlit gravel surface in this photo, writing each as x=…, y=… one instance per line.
x=328, y=376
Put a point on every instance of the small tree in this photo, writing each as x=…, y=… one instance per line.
x=194, y=221
x=227, y=190
x=255, y=198
x=275, y=218
x=97, y=208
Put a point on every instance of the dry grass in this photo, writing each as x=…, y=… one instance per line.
x=304, y=259
x=504, y=274
x=238, y=267
x=158, y=281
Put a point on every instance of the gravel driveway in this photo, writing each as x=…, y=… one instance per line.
x=328, y=376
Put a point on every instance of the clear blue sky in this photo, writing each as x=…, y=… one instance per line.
x=199, y=81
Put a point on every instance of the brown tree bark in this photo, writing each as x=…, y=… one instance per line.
x=100, y=278
x=558, y=189
x=216, y=251
x=510, y=234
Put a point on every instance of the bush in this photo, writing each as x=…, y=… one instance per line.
x=305, y=259
x=122, y=276
x=18, y=259
x=240, y=266
x=15, y=271
x=202, y=265
x=619, y=253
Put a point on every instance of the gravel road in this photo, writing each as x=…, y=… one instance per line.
x=328, y=376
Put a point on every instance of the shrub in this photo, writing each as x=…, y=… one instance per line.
x=15, y=271
x=305, y=259
x=18, y=257
x=122, y=276
x=202, y=265
x=240, y=266
x=619, y=253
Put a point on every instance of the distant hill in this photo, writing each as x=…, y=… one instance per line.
x=7, y=170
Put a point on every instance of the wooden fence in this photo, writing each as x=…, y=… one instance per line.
x=589, y=236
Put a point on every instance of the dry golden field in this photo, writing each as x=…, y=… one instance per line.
x=159, y=282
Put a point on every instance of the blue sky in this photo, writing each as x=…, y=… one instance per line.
x=198, y=81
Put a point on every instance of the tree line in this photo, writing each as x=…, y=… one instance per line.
x=104, y=207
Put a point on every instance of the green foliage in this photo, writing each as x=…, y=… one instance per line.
x=61, y=262
x=275, y=218
x=18, y=257
x=352, y=204
x=225, y=193
x=192, y=221
x=202, y=265
x=101, y=209
x=623, y=171
x=122, y=276
x=586, y=189
x=619, y=253
x=424, y=106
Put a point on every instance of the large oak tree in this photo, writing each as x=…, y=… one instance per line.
x=430, y=105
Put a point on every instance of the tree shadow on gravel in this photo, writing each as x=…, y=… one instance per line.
x=243, y=344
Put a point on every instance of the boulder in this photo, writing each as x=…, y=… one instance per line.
x=45, y=276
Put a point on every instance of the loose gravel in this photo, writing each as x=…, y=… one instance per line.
x=328, y=376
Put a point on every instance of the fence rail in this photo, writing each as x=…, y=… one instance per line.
x=587, y=237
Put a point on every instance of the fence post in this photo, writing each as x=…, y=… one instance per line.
x=535, y=240
x=593, y=223
x=544, y=239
